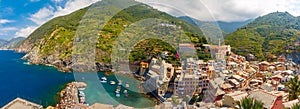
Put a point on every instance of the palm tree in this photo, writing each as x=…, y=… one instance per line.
x=293, y=88
x=296, y=106
x=249, y=103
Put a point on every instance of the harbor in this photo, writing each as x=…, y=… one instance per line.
x=72, y=96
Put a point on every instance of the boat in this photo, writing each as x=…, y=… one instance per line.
x=82, y=100
x=104, y=78
x=102, y=81
x=81, y=94
x=81, y=89
x=120, y=82
x=112, y=82
x=118, y=89
x=118, y=94
x=127, y=85
x=126, y=93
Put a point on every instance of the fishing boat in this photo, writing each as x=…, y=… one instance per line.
x=81, y=89
x=120, y=82
x=103, y=80
x=117, y=94
x=126, y=93
x=112, y=82
x=127, y=85
x=118, y=89
x=81, y=93
x=82, y=100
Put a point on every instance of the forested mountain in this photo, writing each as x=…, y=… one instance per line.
x=267, y=36
x=52, y=43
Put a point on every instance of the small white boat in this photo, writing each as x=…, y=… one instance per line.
x=126, y=93
x=104, y=78
x=118, y=94
x=81, y=89
x=127, y=85
x=82, y=94
x=112, y=82
x=103, y=81
x=120, y=82
x=118, y=89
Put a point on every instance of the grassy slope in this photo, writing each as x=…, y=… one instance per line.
x=56, y=36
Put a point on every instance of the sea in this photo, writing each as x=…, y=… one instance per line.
x=41, y=84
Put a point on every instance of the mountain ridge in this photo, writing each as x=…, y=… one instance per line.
x=12, y=43
x=227, y=27
x=267, y=36
x=52, y=42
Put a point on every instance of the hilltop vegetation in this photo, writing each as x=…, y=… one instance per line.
x=273, y=34
x=52, y=43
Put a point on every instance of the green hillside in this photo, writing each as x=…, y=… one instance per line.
x=52, y=42
x=272, y=34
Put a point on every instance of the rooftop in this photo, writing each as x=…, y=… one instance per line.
x=238, y=95
x=266, y=98
x=19, y=103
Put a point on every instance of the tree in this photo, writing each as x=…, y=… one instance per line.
x=293, y=88
x=296, y=106
x=249, y=103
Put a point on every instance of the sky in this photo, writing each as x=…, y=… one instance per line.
x=19, y=18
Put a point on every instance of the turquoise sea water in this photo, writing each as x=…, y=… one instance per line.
x=105, y=92
x=40, y=84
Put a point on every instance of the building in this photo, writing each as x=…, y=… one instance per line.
x=214, y=92
x=269, y=100
x=231, y=98
x=19, y=103
x=220, y=51
x=158, y=78
x=186, y=84
x=203, y=82
x=263, y=66
x=166, y=71
x=143, y=68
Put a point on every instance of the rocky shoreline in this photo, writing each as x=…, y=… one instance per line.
x=69, y=96
x=67, y=65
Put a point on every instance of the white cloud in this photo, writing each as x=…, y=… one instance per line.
x=8, y=29
x=71, y=6
x=4, y=21
x=24, y=32
x=49, y=12
x=225, y=10
x=56, y=1
x=43, y=15
x=34, y=0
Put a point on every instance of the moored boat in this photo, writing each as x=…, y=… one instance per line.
x=127, y=85
x=112, y=82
